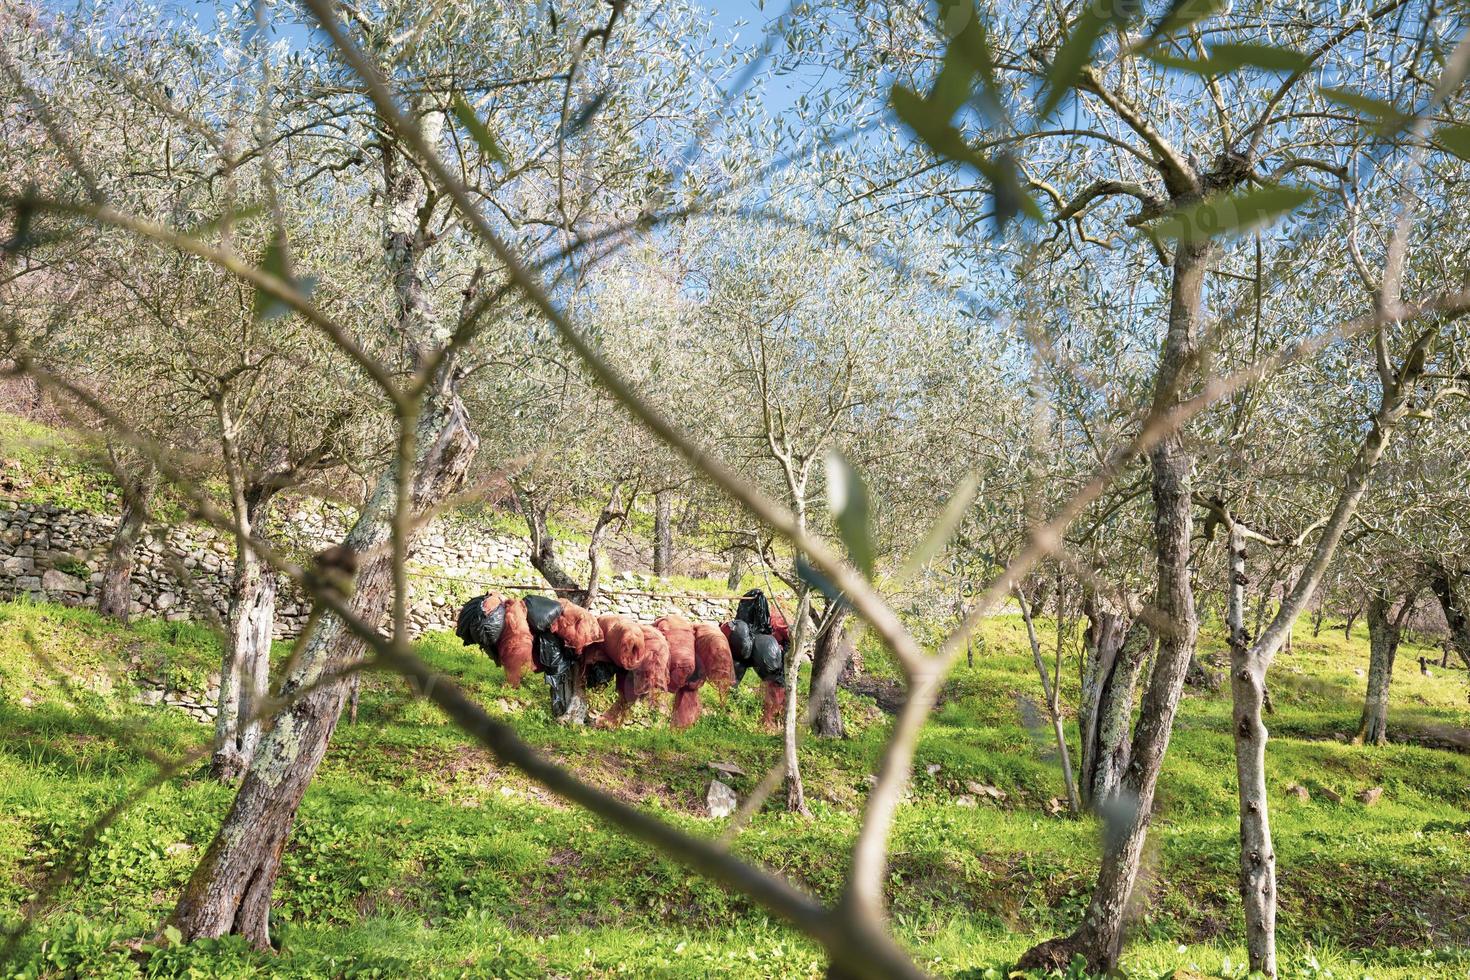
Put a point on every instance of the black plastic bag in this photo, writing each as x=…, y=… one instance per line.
x=542, y=612
x=492, y=626
x=551, y=656
x=768, y=659
x=740, y=648
x=477, y=627
x=740, y=640
x=467, y=626
x=755, y=610
x=600, y=674
x=561, y=692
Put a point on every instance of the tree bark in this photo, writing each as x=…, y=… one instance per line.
x=1099, y=938
x=115, y=593
x=1383, y=642
x=830, y=658
x=230, y=890
x=543, y=548
x=611, y=513
x=795, y=791
x=1114, y=654
x=737, y=569
x=1248, y=690
x=663, y=534
x=1449, y=589
x=244, y=665
x=250, y=622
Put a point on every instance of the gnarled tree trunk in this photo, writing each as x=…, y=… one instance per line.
x=1113, y=658
x=737, y=569
x=230, y=890
x=1384, y=635
x=830, y=659
x=245, y=659
x=244, y=666
x=543, y=548
x=1449, y=589
x=1383, y=642
x=115, y=592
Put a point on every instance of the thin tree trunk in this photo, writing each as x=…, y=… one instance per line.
x=1383, y=642
x=115, y=593
x=1317, y=621
x=1263, y=600
x=830, y=658
x=1248, y=688
x=1099, y=938
x=795, y=791
x=1347, y=624
x=737, y=569
x=663, y=534
x=1052, y=706
x=1250, y=665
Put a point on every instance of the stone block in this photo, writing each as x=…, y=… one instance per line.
x=54, y=580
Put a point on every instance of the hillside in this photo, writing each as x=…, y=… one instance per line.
x=416, y=854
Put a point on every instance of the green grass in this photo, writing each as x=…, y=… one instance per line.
x=42, y=465
x=416, y=854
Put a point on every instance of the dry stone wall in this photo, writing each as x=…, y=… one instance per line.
x=183, y=571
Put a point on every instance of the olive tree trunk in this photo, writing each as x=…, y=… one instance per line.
x=1114, y=653
x=663, y=534
x=831, y=657
x=737, y=569
x=1053, y=707
x=244, y=665
x=1249, y=662
x=796, y=641
x=230, y=890
x=1248, y=691
x=1099, y=938
x=1383, y=642
x=1449, y=589
x=115, y=592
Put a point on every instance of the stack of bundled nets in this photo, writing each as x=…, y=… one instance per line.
x=568, y=644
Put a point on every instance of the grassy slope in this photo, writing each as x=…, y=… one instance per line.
x=415, y=853
x=39, y=464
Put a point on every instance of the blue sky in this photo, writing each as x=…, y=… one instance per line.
x=743, y=20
